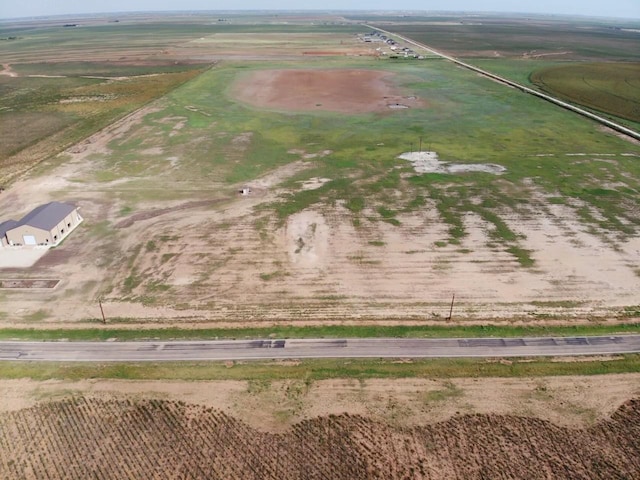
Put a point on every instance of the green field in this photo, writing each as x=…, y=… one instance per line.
x=613, y=88
x=215, y=207
x=155, y=41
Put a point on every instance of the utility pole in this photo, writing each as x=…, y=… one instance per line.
x=451, y=309
x=104, y=319
x=420, y=145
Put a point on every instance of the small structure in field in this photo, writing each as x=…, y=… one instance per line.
x=46, y=225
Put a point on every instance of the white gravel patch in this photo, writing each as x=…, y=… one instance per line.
x=20, y=257
x=428, y=162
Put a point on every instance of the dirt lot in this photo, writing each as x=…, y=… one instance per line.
x=149, y=438
x=347, y=91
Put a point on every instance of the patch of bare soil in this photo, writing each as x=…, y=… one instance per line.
x=7, y=70
x=88, y=438
x=621, y=135
x=571, y=401
x=346, y=91
x=28, y=283
x=428, y=162
x=147, y=214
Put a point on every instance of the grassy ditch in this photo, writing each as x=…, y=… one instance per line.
x=311, y=370
x=337, y=331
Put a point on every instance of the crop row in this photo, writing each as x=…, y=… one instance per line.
x=105, y=439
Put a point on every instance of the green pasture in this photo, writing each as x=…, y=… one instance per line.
x=516, y=69
x=468, y=119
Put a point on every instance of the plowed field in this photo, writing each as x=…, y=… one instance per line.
x=84, y=438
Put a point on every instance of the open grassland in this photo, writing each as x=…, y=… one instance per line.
x=336, y=226
x=79, y=437
x=608, y=87
x=172, y=179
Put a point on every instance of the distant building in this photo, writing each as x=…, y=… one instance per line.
x=45, y=225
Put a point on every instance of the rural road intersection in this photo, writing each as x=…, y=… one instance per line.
x=317, y=348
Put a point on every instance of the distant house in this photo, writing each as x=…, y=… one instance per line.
x=45, y=225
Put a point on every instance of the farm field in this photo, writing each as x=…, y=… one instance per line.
x=82, y=437
x=612, y=87
x=591, y=63
x=430, y=182
x=524, y=37
x=276, y=176
x=71, y=102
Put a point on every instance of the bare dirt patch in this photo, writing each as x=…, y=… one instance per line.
x=345, y=91
x=571, y=401
x=314, y=183
x=428, y=162
x=7, y=70
x=28, y=283
x=147, y=214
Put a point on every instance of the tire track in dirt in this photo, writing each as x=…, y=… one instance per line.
x=147, y=214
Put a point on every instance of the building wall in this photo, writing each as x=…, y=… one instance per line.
x=15, y=235
x=65, y=226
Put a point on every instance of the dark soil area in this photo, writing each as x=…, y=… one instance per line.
x=89, y=438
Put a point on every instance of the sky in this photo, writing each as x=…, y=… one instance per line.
x=599, y=8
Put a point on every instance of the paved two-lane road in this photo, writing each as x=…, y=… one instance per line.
x=317, y=348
